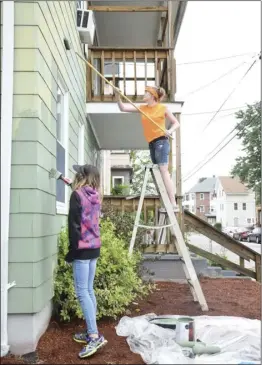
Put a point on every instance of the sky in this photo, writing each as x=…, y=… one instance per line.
x=212, y=30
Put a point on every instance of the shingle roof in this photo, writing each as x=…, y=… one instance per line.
x=206, y=186
x=232, y=185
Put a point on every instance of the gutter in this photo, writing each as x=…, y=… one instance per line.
x=178, y=20
x=6, y=152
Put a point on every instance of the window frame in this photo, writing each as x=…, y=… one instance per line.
x=201, y=210
x=244, y=205
x=62, y=208
x=235, y=206
x=81, y=144
x=118, y=177
x=202, y=196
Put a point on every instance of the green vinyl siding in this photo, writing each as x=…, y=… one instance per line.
x=40, y=59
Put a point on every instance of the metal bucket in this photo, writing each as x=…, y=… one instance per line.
x=185, y=330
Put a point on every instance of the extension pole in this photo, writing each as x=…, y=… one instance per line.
x=119, y=92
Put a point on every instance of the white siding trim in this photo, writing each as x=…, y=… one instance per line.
x=6, y=157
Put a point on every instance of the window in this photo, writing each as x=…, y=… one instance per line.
x=192, y=209
x=193, y=196
x=202, y=209
x=81, y=144
x=62, y=110
x=202, y=196
x=248, y=220
x=244, y=206
x=118, y=180
x=235, y=206
x=187, y=197
x=80, y=4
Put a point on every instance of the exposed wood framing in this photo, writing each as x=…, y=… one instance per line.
x=127, y=9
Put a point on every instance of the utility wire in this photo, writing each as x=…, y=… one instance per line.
x=234, y=89
x=203, y=164
x=211, y=112
x=213, y=81
x=216, y=59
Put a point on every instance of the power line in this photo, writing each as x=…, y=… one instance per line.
x=216, y=59
x=211, y=112
x=213, y=81
x=234, y=89
x=200, y=167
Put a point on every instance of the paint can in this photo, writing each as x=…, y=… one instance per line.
x=185, y=330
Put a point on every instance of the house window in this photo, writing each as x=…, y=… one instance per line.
x=187, y=197
x=81, y=144
x=248, y=220
x=193, y=196
x=192, y=209
x=62, y=111
x=202, y=196
x=202, y=209
x=80, y=4
x=244, y=206
x=235, y=206
x=118, y=180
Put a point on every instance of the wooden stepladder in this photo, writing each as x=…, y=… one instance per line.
x=174, y=227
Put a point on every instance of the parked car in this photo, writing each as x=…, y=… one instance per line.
x=255, y=235
x=242, y=234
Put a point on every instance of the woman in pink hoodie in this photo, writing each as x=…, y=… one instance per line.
x=84, y=250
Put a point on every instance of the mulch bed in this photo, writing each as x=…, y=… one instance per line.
x=227, y=297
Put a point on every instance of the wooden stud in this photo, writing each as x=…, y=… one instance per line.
x=145, y=68
x=91, y=76
x=156, y=76
x=127, y=9
x=102, y=83
x=124, y=71
x=135, y=73
x=114, y=76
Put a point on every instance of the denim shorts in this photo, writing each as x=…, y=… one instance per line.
x=159, y=151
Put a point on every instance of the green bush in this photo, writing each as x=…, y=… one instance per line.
x=218, y=226
x=123, y=225
x=117, y=281
x=120, y=190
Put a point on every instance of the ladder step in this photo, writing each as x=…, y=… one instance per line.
x=153, y=227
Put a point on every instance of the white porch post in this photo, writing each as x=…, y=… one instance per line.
x=6, y=150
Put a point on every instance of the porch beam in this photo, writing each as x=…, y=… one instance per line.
x=128, y=9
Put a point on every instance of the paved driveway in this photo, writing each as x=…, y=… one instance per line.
x=213, y=247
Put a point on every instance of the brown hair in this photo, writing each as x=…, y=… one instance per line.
x=88, y=175
x=158, y=90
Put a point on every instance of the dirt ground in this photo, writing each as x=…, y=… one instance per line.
x=230, y=297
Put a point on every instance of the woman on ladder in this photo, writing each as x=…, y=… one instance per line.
x=158, y=141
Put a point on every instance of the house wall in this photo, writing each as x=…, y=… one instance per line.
x=40, y=57
x=121, y=173
x=225, y=213
x=205, y=202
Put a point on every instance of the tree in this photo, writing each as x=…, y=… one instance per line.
x=248, y=167
x=139, y=159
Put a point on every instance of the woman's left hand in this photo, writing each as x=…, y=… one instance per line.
x=168, y=134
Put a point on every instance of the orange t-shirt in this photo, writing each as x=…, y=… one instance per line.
x=157, y=113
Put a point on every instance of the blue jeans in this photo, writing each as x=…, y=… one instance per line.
x=84, y=274
x=159, y=151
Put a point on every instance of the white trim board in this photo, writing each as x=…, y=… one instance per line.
x=112, y=108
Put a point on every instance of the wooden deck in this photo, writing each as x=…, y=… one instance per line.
x=150, y=216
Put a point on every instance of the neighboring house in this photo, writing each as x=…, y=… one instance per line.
x=235, y=203
x=55, y=113
x=118, y=169
x=199, y=199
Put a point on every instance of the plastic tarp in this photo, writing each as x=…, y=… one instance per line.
x=238, y=339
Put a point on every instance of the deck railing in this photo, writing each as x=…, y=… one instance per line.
x=131, y=70
x=150, y=216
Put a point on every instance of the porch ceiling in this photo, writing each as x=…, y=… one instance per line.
x=136, y=29
x=115, y=130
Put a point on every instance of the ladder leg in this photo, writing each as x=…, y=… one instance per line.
x=181, y=246
x=138, y=213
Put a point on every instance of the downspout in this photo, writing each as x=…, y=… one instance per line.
x=6, y=151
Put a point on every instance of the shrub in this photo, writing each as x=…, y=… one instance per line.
x=120, y=190
x=117, y=281
x=218, y=226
